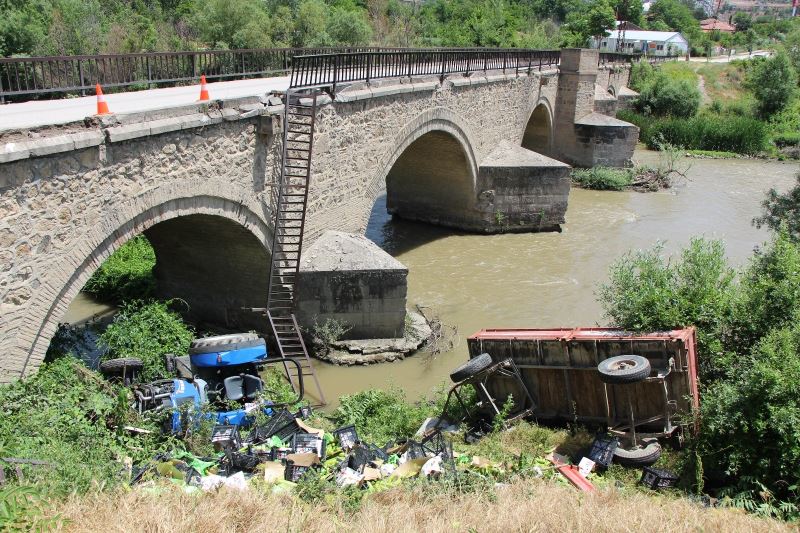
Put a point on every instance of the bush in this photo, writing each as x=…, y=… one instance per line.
x=782, y=211
x=782, y=140
x=740, y=135
x=381, y=415
x=147, y=330
x=769, y=296
x=602, y=178
x=750, y=423
x=648, y=291
x=664, y=95
x=773, y=83
x=69, y=416
x=126, y=275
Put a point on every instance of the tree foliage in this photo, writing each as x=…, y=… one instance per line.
x=773, y=82
x=782, y=211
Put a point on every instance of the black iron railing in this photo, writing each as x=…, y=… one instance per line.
x=76, y=74
x=332, y=69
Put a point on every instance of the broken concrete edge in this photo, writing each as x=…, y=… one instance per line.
x=123, y=127
x=372, y=351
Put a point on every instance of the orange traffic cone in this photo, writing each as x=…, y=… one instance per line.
x=102, y=106
x=203, y=89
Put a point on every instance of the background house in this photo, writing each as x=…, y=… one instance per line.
x=654, y=43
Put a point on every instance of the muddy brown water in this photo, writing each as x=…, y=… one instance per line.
x=548, y=279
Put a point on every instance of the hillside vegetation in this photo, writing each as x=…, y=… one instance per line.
x=64, y=27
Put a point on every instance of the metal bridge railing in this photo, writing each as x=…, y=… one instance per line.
x=332, y=69
x=21, y=76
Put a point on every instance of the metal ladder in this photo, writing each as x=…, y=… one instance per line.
x=290, y=214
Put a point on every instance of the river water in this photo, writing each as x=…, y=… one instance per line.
x=549, y=279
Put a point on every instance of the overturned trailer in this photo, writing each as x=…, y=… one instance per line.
x=560, y=369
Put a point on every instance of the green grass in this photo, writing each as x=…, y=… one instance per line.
x=713, y=154
x=126, y=275
x=602, y=178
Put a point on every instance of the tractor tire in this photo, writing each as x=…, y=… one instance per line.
x=471, y=367
x=225, y=343
x=639, y=456
x=118, y=366
x=624, y=369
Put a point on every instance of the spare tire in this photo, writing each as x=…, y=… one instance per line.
x=118, y=366
x=471, y=367
x=624, y=369
x=225, y=343
x=639, y=456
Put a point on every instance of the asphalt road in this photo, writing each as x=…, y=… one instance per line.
x=54, y=112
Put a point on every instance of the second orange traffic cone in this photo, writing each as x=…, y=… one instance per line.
x=102, y=106
x=203, y=89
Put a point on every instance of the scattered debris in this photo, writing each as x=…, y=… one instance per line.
x=658, y=479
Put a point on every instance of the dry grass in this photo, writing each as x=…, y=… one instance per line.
x=523, y=506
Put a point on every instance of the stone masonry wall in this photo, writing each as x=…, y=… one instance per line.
x=62, y=215
x=357, y=142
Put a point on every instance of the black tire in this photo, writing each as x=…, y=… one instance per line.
x=624, y=369
x=640, y=456
x=471, y=367
x=224, y=343
x=118, y=366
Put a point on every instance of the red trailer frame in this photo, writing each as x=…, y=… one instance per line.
x=559, y=367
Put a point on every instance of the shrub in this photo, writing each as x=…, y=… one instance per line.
x=769, y=297
x=773, y=83
x=648, y=291
x=782, y=211
x=666, y=96
x=750, y=422
x=126, y=275
x=69, y=416
x=782, y=140
x=602, y=178
x=740, y=135
x=641, y=74
x=381, y=415
x=147, y=330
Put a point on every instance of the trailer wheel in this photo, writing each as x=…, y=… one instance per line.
x=471, y=367
x=117, y=366
x=224, y=343
x=624, y=369
x=639, y=456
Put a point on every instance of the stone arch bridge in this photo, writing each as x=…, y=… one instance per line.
x=486, y=152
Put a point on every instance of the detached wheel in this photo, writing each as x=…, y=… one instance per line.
x=471, y=367
x=624, y=369
x=118, y=366
x=225, y=343
x=640, y=456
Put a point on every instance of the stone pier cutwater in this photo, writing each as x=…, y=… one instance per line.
x=199, y=181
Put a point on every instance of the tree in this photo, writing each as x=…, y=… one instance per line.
x=629, y=10
x=743, y=21
x=349, y=27
x=600, y=19
x=676, y=15
x=773, y=82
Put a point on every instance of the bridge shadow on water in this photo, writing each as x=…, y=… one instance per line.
x=396, y=235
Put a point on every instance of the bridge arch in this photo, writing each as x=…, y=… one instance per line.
x=217, y=247
x=432, y=171
x=538, y=133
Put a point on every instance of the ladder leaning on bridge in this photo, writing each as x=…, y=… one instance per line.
x=290, y=213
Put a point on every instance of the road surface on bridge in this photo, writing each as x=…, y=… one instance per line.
x=40, y=113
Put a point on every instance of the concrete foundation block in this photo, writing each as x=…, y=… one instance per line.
x=348, y=278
